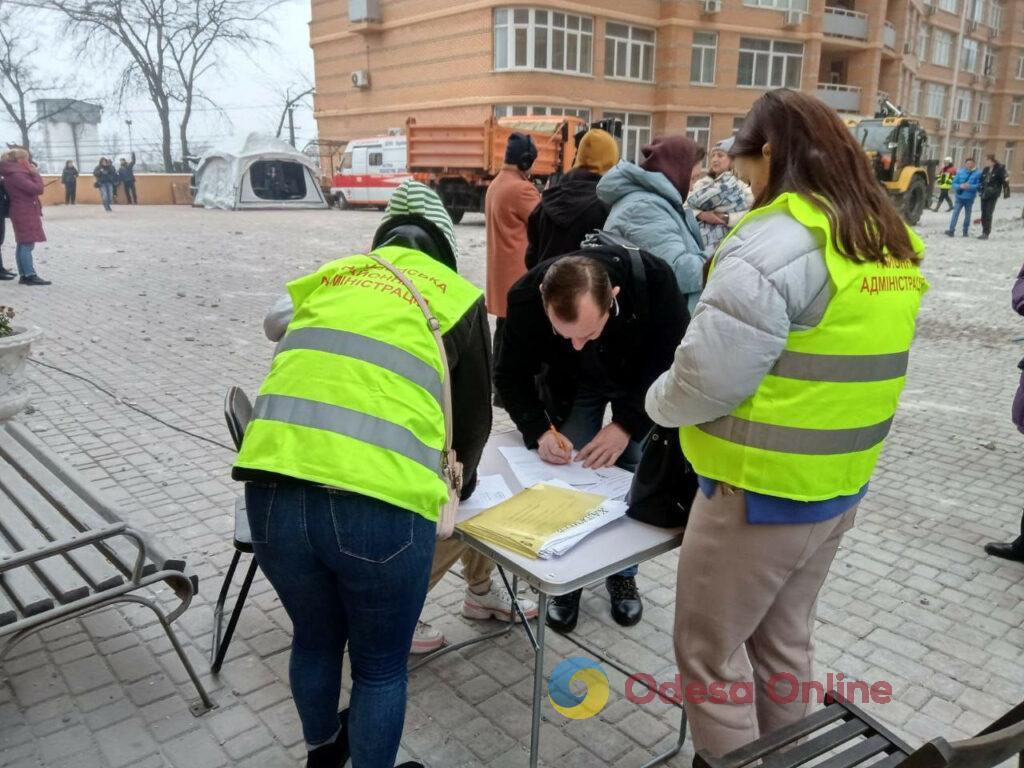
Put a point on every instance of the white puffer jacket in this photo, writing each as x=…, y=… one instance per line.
x=770, y=278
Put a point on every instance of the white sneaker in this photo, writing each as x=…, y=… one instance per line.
x=496, y=603
x=426, y=639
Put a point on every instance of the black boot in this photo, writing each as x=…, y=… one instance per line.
x=335, y=754
x=564, y=612
x=627, y=608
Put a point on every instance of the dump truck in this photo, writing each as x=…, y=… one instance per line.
x=459, y=161
x=896, y=146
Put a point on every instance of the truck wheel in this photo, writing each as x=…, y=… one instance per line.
x=913, y=201
x=341, y=202
x=456, y=215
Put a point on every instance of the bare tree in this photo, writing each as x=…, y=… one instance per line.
x=170, y=45
x=21, y=82
x=294, y=96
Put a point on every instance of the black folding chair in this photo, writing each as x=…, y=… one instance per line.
x=847, y=737
x=237, y=412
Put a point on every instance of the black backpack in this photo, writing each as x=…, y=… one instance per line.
x=5, y=202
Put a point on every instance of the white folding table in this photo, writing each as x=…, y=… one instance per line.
x=605, y=552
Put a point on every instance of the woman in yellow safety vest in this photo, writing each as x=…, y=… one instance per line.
x=784, y=387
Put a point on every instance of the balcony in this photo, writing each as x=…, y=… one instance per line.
x=840, y=22
x=842, y=98
x=889, y=36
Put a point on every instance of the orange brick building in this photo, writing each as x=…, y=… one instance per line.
x=672, y=65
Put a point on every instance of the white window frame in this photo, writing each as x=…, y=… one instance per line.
x=636, y=132
x=638, y=53
x=962, y=111
x=969, y=56
x=916, y=89
x=1016, y=110
x=956, y=150
x=922, y=42
x=703, y=50
x=935, y=100
x=1008, y=154
x=773, y=61
x=951, y=6
x=698, y=129
x=995, y=16
x=988, y=66
x=737, y=123
x=942, y=47
x=779, y=5
x=1020, y=67
x=984, y=109
x=521, y=110
x=542, y=35
x=978, y=11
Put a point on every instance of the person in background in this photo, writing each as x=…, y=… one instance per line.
x=569, y=211
x=782, y=433
x=647, y=208
x=106, y=179
x=944, y=181
x=5, y=207
x=510, y=200
x=1014, y=550
x=993, y=179
x=126, y=176
x=720, y=199
x=69, y=178
x=965, y=185
x=582, y=333
x=24, y=186
x=343, y=473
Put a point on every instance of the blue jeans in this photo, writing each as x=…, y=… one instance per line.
x=584, y=422
x=348, y=569
x=23, y=258
x=106, y=195
x=965, y=206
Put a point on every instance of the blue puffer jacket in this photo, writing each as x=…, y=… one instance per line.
x=648, y=211
x=964, y=176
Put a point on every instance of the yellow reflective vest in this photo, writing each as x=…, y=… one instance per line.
x=814, y=428
x=945, y=180
x=353, y=399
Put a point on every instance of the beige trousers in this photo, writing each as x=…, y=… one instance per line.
x=745, y=607
x=476, y=569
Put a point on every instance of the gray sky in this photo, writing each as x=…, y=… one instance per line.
x=246, y=88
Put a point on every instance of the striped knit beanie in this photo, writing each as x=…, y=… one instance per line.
x=413, y=199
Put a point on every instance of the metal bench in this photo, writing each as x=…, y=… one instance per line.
x=65, y=552
x=842, y=735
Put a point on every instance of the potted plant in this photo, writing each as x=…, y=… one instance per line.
x=15, y=345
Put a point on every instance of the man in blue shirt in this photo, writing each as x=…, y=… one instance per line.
x=965, y=184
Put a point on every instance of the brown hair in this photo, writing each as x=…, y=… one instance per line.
x=992, y=158
x=13, y=154
x=814, y=154
x=569, y=279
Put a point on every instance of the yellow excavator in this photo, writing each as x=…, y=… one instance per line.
x=896, y=146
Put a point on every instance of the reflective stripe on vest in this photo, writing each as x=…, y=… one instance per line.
x=814, y=428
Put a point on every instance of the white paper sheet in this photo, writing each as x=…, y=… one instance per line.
x=490, y=490
x=562, y=542
x=530, y=469
x=614, y=483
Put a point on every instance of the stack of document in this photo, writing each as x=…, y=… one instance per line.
x=542, y=521
x=530, y=469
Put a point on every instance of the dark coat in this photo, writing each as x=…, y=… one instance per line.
x=566, y=214
x=992, y=181
x=105, y=175
x=630, y=354
x=1017, y=301
x=24, y=188
x=127, y=171
x=69, y=177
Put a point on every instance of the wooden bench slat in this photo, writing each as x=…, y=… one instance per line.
x=56, y=573
x=119, y=551
x=7, y=613
x=24, y=587
x=98, y=571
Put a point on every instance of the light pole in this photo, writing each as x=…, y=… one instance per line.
x=130, y=147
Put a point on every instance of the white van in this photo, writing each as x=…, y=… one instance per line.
x=370, y=170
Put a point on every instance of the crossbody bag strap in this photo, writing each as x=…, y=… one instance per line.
x=435, y=328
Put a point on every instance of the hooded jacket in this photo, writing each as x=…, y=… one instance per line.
x=566, y=214
x=26, y=213
x=647, y=210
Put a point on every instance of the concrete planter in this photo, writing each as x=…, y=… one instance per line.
x=14, y=351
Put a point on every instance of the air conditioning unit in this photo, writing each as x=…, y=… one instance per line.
x=976, y=128
x=972, y=26
x=929, y=10
x=712, y=6
x=792, y=19
x=361, y=78
x=956, y=125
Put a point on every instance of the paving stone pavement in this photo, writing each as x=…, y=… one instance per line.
x=162, y=308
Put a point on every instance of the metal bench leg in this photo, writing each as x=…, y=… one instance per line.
x=678, y=746
x=218, y=609
x=538, y=678
x=222, y=649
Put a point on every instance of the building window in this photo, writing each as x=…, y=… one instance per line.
x=969, y=57
x=698, y=128
x=915, y=97
x=1020, y=68
x=636, y=132
x=942, y=46
x=769, y=63
x=963, y=106
x=737, y=123
x=978, y=11
x=984, y=110
x=935, y=100
x=957, y=151
x=1008, y=154
x=779, y=5
x=1017, y=110
x=995, y=17
x=629, y=52
x=948, y=5
x=532, y=38
x=520, y=110
x=702, y=57
x=989, y=64
x=922, y=42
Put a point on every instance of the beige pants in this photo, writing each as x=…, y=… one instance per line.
x=745, y=606
x=476, y=569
